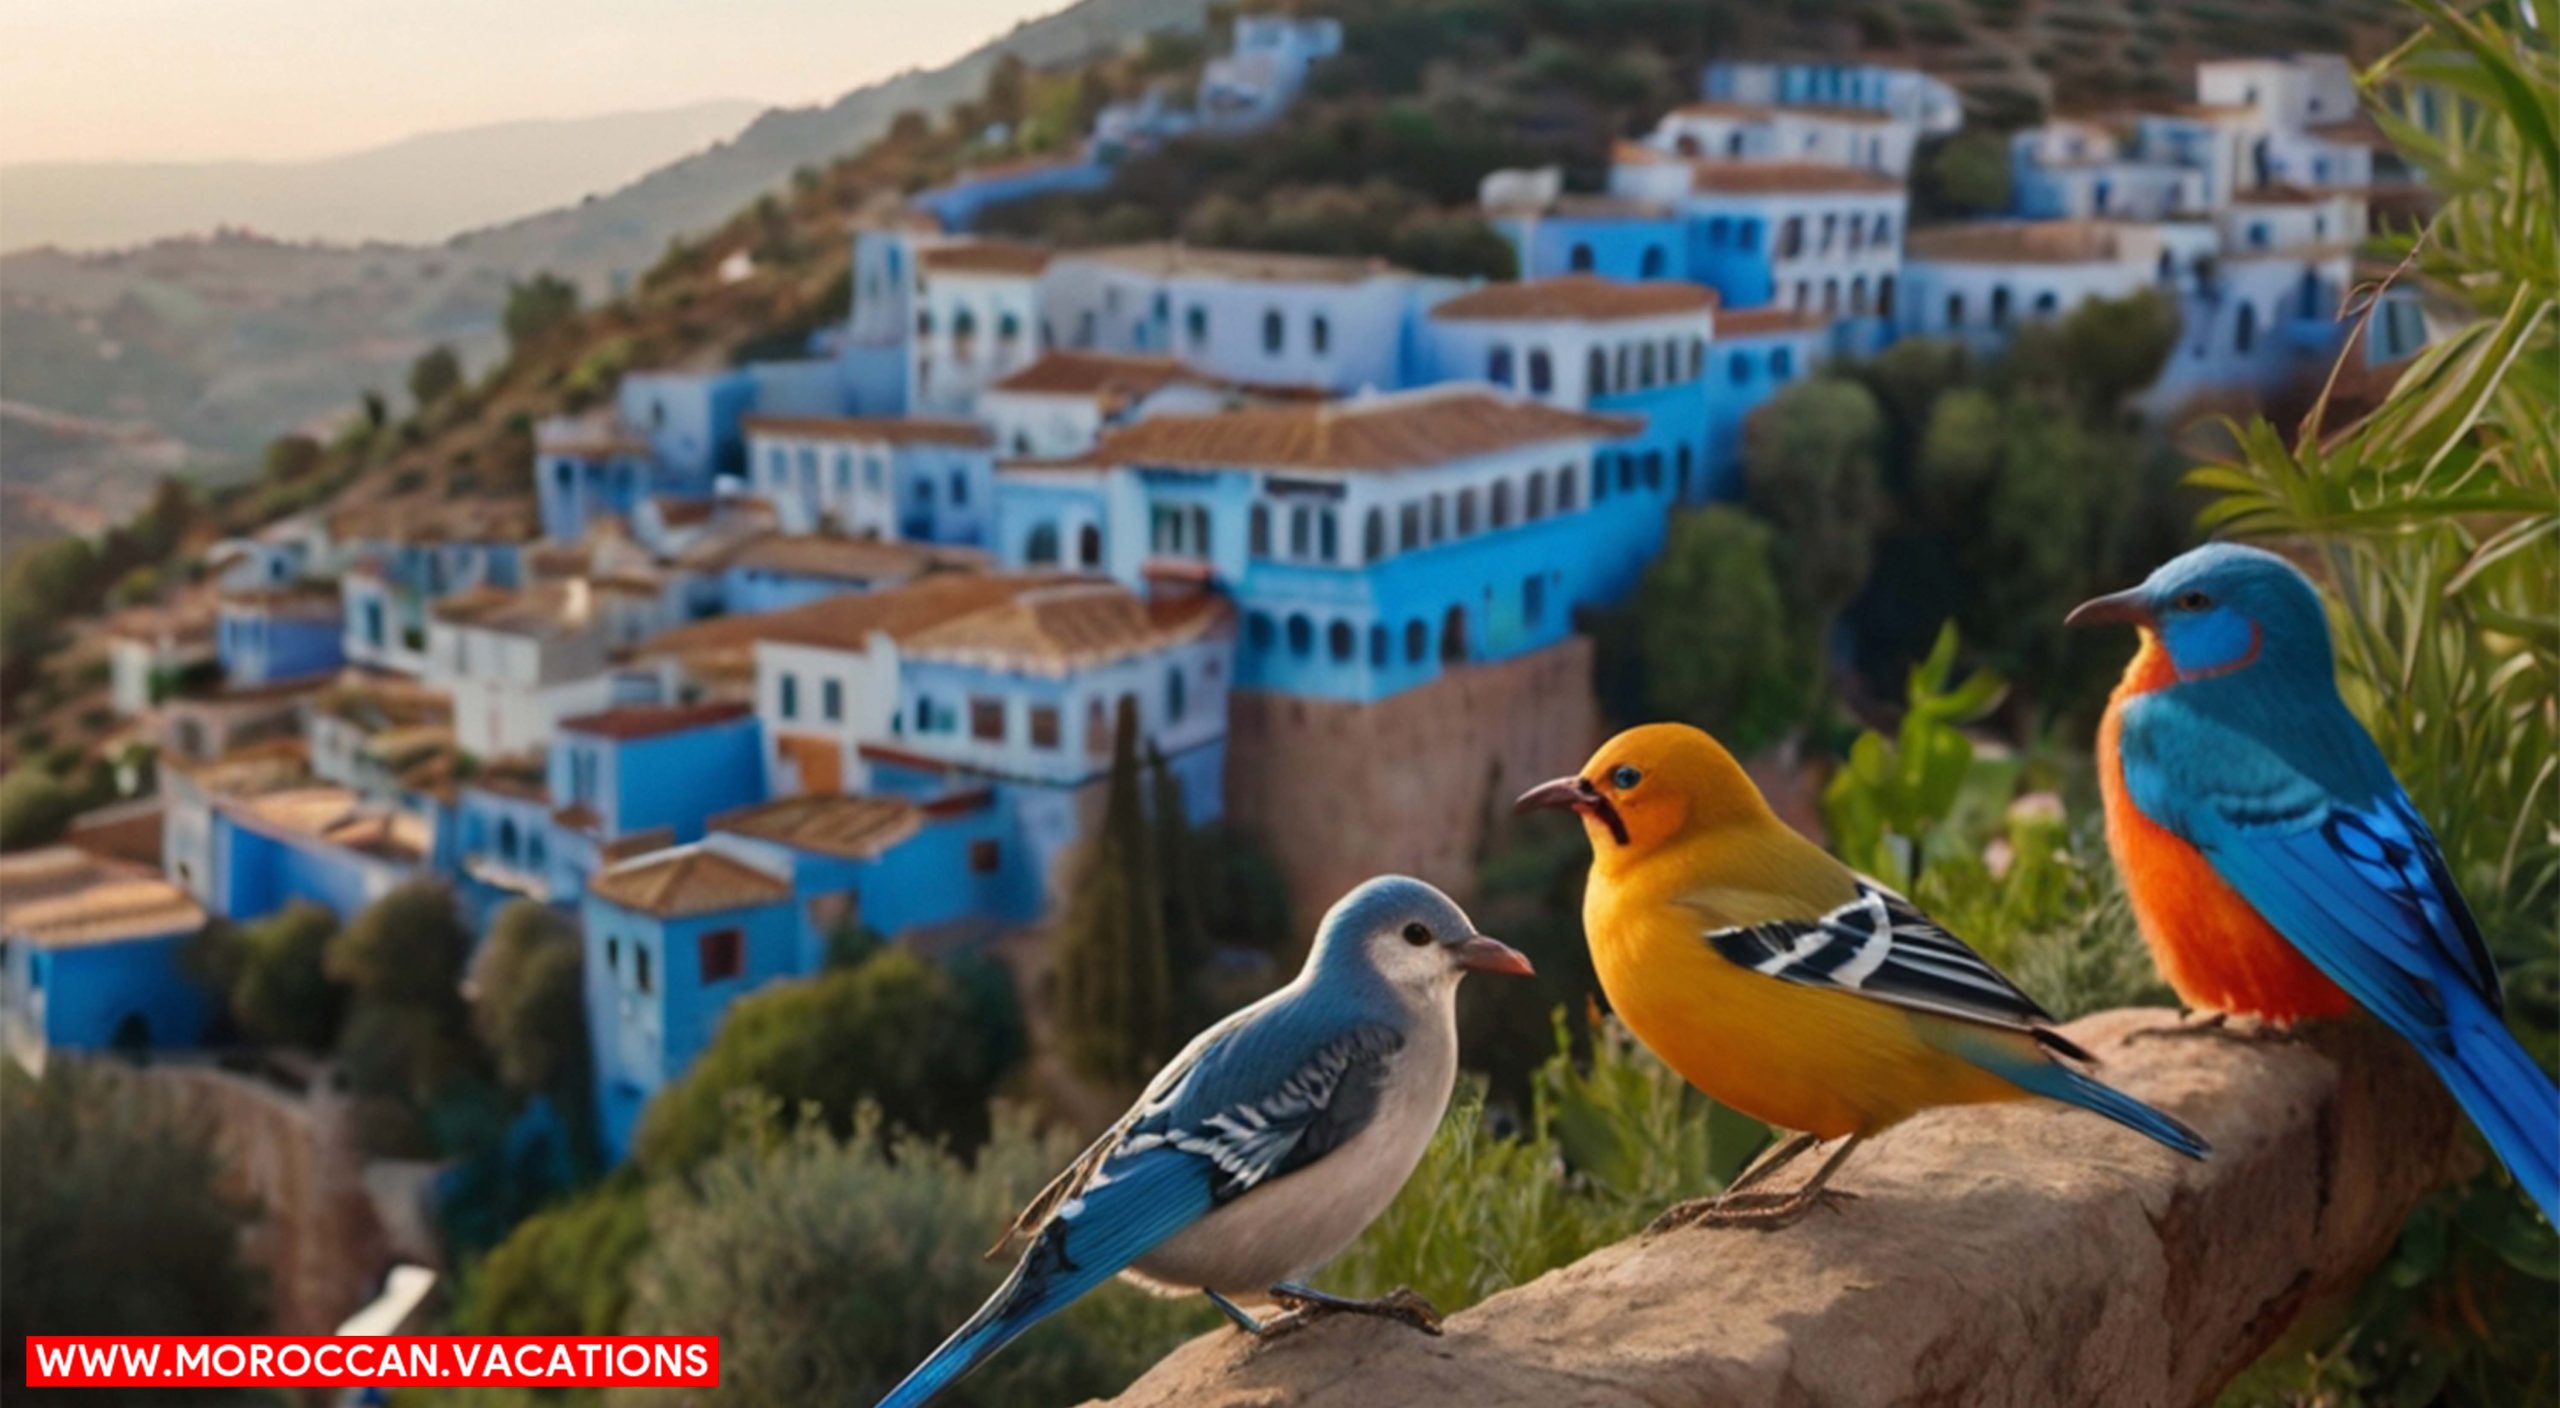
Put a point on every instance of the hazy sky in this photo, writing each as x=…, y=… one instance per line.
x=266, y=79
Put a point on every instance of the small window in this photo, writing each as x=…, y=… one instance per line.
x=723, y=955
x=1542, y=372
x=790, y=700
x=1466, y=512
x=1342, y=641
x=1320, y=334
x=1782, y=363
x=1417, y=641
x=612, y=955
x=831, y=700
x=1275, y=333
x=1497, y=366
x=1177, y=695
x=1195, y=321
x=986, y=719
x=1533, y=600
x=1409, y=527
x=1501, y=503
x=985, y=857
x=1580, y=259
x=1564, y=490
x=1045, y=729
x=1302, y=637
x=641, y=977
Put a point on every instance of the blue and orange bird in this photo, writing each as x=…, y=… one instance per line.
x=2276, y=867
x=1267, y=1146
x=1786, y=985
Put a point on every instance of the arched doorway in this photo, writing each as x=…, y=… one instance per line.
x=1453, y=637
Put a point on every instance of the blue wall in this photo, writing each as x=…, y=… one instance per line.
x=258, y=873
x=258, y=647
x=89, y=991
x=677, y=780
x=687, y=1011
x=959, y=204
x=1621, y=247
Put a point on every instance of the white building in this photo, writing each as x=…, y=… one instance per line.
x=1929, y=104
x=1838, y=136
x=1251, y=319
x=1261, y=75
x=515, y=663
x=1059, y=405
x=1574, y=340
x=913, y=478
x=977, y=320
x=1977, y=283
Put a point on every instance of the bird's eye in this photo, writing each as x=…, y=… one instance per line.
x=2192, y=601
x=1417, y=934
x=1624, y=778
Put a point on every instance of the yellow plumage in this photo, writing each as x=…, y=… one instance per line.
x=1705, y=852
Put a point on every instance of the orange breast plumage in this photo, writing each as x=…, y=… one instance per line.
x=2210, y=944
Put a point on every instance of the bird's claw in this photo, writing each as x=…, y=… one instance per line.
x=1764, y=1212
x=1401, y=1305
x=2218, y=1025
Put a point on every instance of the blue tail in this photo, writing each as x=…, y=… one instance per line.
x=1148, y=1199
x=2503, y=1091
x=2056, y=1081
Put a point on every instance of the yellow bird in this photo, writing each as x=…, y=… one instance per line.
x=1786, y=985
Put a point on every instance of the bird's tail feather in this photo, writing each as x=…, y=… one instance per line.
x=2515, y=1105
x=1050, y=1277
x=2060, y=1082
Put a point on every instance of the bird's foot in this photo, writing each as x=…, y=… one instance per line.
x=1303, y=1306
x=1763, y=1211
x=2218, y=1025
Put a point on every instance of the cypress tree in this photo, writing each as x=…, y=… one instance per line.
x=1114, y=988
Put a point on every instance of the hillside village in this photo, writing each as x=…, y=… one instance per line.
x=849, y=640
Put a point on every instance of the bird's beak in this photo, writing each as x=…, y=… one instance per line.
x=1570, y=792
x=1578, y=794
x=1488, y=955
x=2124, y=608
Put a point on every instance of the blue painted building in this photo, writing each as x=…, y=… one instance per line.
x=778, y=571
x=1369, y=544
x=655, y=767
x=265, y=638
x=94, y=957
x=958, y=203
x=910, y=479
x=669, y=433
x=325, y=845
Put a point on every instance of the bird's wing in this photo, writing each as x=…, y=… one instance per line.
x=1249, y=1101
x=1879, y=945
x=2358, y=885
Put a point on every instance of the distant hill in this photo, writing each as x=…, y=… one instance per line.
x=222, y=341
x=421, y=189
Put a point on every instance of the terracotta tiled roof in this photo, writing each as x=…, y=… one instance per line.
x=651, y=720
x=339, y=817
x=2019, y=242
x=183, y=623
x=1579, y=296
x=847, y=622
x=1763, y=111
x=541, y=609
x=1180, y=260
x=984, y=257
x=684, y=513
x=577, y=816
x=685, y=881
x=893, y=430
x=1408, y=430
x=312, y=602
x=1761, y=322
x=597, y=435
x=1068, y=627
x=854, y=828
x=1784, y=177
x=2360, y=131
x=851, y=559
x=1096, y=374
x=415, y=519
x=64, y=897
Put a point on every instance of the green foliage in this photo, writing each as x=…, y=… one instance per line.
x=1715, y=632
x=2434, y=522
x=564, y=1271
x=1811, y=470
x=290, y=459
x=408, y=1030
x=528, y=1003
x=537, y=305
x=273, y=977
x=829, y=1267
x=1606, y=1147
x=1963, y=175
x=895, y=1034
x=1884, y=802
x=35, y=808
x=1115, y=986
x=112, y=1219
x=436, y=374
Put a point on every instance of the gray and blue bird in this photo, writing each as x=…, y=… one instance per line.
x=1267, y=1146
